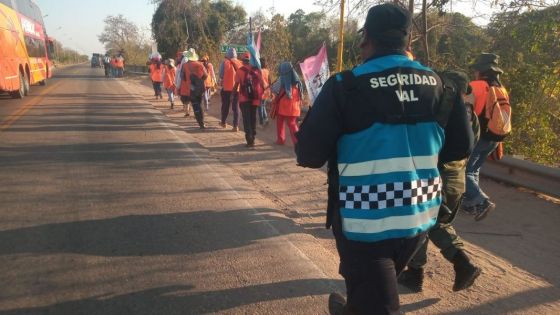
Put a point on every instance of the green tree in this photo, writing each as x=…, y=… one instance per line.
x=122, y=35
x=203, y=25
x=528, y=44
x=275, y=46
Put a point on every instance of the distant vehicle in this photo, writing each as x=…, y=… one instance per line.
x=23, y=42
x=96, y=60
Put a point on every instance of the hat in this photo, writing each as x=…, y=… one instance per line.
x=170, y=62
x=190, y=55
x=246, y=56
x=231, y=53
x=387, y=22
x=487, y=61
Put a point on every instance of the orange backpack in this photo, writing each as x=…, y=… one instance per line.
x=497, y=112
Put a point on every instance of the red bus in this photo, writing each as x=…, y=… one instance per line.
x=24, y=57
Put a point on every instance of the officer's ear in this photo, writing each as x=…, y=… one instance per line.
x=367, y=47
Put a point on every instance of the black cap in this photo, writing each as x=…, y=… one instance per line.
x=487, y=61
x=388, y=22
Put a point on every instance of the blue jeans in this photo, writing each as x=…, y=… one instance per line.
x=171, y=95
x=206, y=98
x=473, y=193
x=263, y=116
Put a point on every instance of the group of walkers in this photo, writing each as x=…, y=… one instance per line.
x=404, y=146
x=244, y=88
x=114, y=66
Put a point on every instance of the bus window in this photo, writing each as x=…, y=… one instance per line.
x=7, y=3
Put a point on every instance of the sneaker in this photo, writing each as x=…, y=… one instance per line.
x=235, y=129
x=483, y=209
x=412, y=279
x=336, y=304
x=469, y=210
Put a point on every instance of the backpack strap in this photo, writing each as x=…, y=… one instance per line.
x=447, y=101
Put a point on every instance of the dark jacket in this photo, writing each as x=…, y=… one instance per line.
x=350, y=103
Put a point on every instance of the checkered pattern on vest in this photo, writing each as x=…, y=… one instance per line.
x=390, y=195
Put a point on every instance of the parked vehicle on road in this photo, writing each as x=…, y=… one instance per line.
x=96, y=60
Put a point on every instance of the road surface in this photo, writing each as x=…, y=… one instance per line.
x=110, y=203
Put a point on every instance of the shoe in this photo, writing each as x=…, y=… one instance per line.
x=469, y=210
x=203, y=126
x=465, y=272
x=250, y=145
x=235, y=129
x=483, y=209
x=412, y=279
x=278, y=142
x=172, y=105
x=223, y=125
x=336, y=304
x=187, y=114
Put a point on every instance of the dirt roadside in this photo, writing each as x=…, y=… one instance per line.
x=517, y=246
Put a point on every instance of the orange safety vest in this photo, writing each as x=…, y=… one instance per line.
x=169, y=78
x=266, y=76
x=197, y=69
x=156, y=74
x=480, y=91
x=290, y=107
x=119, y=63
x=229, y=73
x=209, y=82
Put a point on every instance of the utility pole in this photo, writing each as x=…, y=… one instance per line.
x=340, y=38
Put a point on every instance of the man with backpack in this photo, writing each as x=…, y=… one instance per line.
x=491, y=105
x=249, y=81
x=191, y=84
x=382, y=128
x=442, y=234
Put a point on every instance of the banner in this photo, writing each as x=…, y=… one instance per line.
x=315, y=70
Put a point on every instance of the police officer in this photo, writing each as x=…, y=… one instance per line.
x=381, y=128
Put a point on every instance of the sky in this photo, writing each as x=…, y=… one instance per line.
x=77, y=24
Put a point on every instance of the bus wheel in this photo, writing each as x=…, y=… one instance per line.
x=26, y=84
x=20, y=93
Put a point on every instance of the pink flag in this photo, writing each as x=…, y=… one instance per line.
x=315, y=71
x=259, y=42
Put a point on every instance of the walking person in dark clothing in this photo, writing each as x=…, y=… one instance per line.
x=382, y=128
x=249, y=81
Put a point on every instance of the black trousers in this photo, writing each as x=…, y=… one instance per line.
x=197, y=109
x=249, y=113
x=370, y=271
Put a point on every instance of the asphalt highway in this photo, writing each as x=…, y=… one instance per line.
x=108, y=208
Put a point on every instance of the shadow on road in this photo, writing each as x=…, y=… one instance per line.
x=146, y=235
x=180, y=300
x=143, y=156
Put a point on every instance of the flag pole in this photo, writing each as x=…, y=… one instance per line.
x=340, y=38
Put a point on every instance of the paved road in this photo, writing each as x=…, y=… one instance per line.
x=109, y=207
x=106, y=208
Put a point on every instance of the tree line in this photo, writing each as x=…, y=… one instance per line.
x=525, y=33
